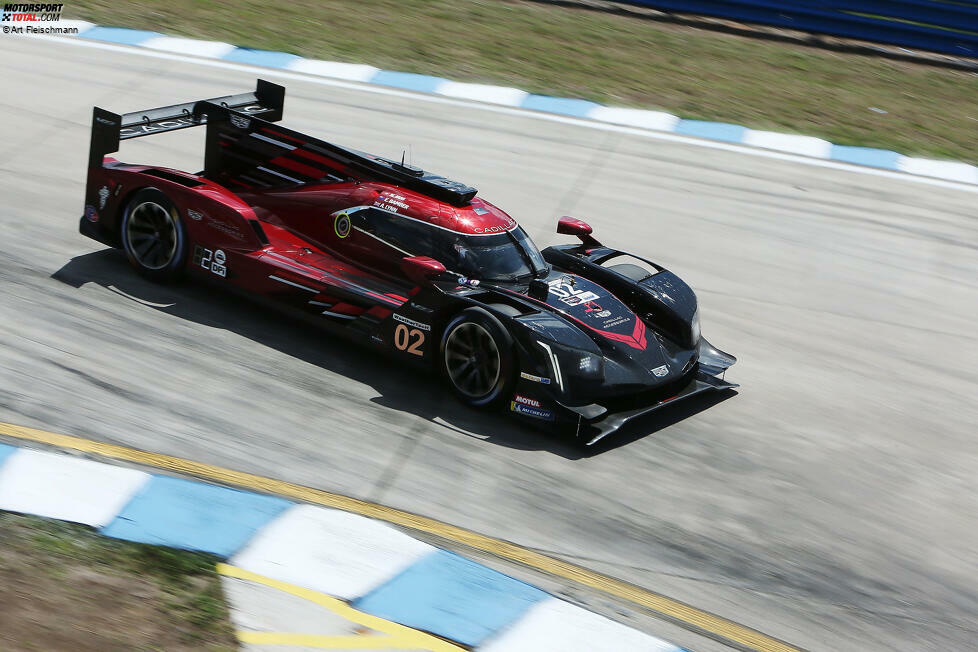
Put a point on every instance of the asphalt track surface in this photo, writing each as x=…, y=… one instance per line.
x=830, y=503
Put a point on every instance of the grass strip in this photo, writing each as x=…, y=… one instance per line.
x=63, y=586
x=847, y=98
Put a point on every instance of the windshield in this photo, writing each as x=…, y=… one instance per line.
x=509, y=256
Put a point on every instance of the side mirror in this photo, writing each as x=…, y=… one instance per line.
x=421, y=269
x=572, y=226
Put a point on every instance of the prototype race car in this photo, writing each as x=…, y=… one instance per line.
x=578, y=337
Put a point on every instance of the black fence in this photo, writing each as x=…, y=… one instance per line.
x=950, y=27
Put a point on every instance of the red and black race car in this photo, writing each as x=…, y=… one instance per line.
x=578, y=337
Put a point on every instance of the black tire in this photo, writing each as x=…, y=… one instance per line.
x=153, y=236
x=477, y=358
x=631, y=271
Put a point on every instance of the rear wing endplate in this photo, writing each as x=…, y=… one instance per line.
x=108, y=129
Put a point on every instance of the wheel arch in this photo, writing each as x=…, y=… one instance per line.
x=508, y=351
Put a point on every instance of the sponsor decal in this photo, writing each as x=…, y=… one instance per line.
x=239, y=121
x=479, y=210
x=150, y=127
x=470, y=282
x=341, y=225
x=661, y=371
x=104, y=121
x=90, y=213
x=615, y=321
x=536, y=379
x=494, y=229
x=536, y=413
x=212, y=261
x=411, y=322
x=225, y=228
x=592, y=309
x=526, y=400
x=564, y=290
x=194, y=215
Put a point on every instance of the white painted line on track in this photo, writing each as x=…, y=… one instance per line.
x=590, y=124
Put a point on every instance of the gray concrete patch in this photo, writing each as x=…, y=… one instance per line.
x=258, y=608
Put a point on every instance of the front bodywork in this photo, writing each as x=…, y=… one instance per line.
x=600, y=349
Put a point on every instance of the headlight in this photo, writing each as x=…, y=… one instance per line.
x=694, y=327
x=591, y=364
x=575, y=362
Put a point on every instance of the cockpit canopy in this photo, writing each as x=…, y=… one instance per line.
x=506, y=256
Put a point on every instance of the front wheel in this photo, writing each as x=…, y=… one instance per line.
x=477, y=357
x=153, y=237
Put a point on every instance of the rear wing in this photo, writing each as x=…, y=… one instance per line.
x=251, y=153
x=244, y=150
x=108, y=129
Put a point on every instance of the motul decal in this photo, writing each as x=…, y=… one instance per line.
x=526, y=400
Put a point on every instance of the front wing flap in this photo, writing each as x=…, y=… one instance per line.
x=594, y=431
x=534, y=399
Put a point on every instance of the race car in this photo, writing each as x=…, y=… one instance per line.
x=579, y=337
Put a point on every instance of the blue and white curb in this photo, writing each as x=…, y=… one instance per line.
x=658, y=121
x=378, y=569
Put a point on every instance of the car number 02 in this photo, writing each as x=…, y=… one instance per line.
x=408, y=339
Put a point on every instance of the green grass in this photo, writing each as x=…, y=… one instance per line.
x=176, y=591
x=609, y=58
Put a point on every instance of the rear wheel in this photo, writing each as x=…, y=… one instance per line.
x=153, y=237
x=477, y=357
